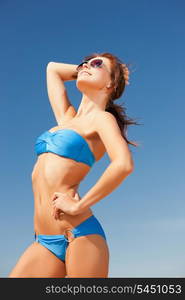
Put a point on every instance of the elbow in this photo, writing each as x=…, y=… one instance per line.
x=130, y=166
x=127, y=168
x=50, y=65
x=130, y=169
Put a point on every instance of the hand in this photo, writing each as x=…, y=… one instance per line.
x=126, y=73
x=63, y=203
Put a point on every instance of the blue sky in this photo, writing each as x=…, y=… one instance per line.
x=144, y=217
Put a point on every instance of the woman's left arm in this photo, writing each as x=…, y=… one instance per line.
x=121, y=162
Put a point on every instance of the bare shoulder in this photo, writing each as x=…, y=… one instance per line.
x=110, y=134
x=105, y=114
x=106, y=121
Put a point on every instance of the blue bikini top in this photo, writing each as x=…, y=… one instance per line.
x=65, y=142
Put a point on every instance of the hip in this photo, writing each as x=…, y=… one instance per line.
x=45, y=223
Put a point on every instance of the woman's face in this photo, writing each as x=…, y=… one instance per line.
x=94, y=78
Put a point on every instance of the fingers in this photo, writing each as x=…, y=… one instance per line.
x=77, y=197
x=54, y=202
x=54, y=197
x=54, y=212
x=126, y=73
x=61, y=215
x=57, y=214
x=57, y=195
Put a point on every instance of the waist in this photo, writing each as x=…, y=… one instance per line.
x=45, y=223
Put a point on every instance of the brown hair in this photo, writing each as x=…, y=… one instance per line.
x=118, y=81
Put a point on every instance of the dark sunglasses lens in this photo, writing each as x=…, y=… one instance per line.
x=96, y=63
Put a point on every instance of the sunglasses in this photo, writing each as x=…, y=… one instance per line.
x=95, y=63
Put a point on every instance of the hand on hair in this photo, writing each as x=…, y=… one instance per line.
x=126, y=73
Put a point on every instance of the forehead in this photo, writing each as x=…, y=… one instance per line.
x=105, y=60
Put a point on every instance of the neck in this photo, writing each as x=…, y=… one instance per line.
x=91, y=104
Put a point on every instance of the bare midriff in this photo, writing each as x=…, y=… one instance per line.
x=53, y=173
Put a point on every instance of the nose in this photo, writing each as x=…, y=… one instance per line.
x=86, y=65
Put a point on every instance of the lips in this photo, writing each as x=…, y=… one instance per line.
x=84, y=72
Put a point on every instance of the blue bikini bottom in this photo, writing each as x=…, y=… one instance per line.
x=58, y=244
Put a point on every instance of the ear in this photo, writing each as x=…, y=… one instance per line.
x=110, y=88
x=109, y=85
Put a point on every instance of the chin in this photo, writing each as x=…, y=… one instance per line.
x=83, y=84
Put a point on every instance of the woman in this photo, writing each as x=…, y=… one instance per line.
x=69, y=240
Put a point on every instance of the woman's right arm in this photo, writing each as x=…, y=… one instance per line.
x=57, y=73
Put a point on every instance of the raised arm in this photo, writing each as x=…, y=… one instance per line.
x=57, y=73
